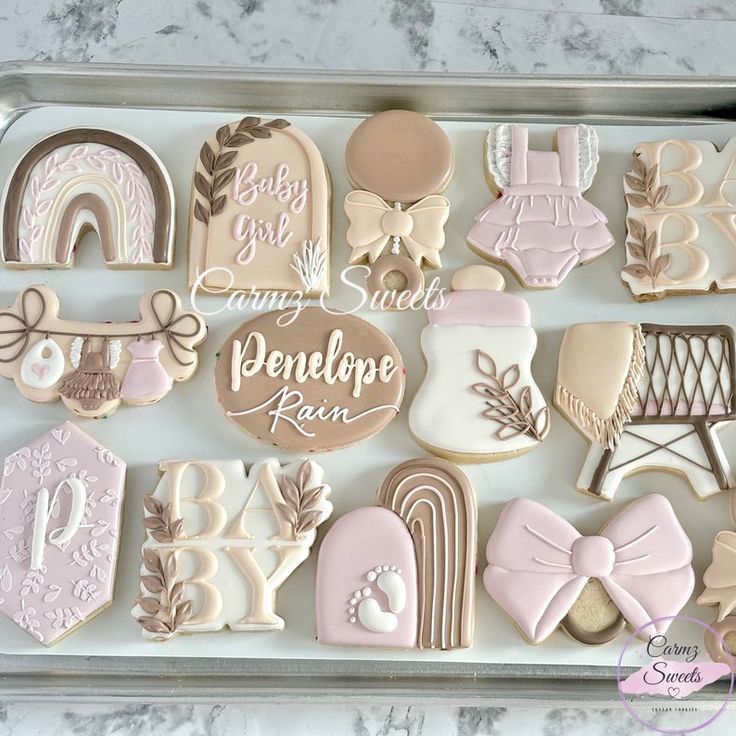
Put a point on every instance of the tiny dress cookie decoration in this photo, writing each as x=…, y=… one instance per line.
x=541, y=227
x=95, y=366
x=221, y=541
x=61, y=503
x=402, y=574
x=544, y=574
x=85, y=179
x=681, y=219
x=479, y=401
x=310, y=382
x=649, y=397
x=260, y=211
x=399, y=163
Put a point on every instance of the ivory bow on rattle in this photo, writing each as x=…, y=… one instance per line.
x=373, y=223
x=539, y=565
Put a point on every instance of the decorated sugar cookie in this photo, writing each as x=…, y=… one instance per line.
x=310, y=384
x=221, y=541
x=399, y=163
x=95, y=366
x=649, y=397
x=402, y=575
x=260, y=211
x=681, y=219
x=85, y=179
x=545, y=574
x=541, y=227
x=479, y=401
x=61, y=503
x=720, y=590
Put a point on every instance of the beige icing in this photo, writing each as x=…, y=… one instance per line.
x=720, y=577
x=279, y=185
x=599, y=368
x=477, y=277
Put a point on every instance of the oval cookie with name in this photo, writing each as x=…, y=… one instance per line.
x=318, y=382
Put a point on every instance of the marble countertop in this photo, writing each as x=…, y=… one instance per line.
x=616, y=37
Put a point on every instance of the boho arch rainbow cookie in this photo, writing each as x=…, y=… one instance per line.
x=84, y=179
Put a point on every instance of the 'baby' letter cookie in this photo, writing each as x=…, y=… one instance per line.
x=260, y=212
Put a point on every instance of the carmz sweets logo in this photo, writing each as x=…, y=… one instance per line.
x=659, y=694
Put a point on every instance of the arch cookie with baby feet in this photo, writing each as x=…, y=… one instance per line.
x=479, y=401
x=649, y=397
x=61, y=504
x=541, y=227
x=544, y=574
x=681, y=219
x=85, y=179
x=399, y=162
x=220, y=542
x=260, y=211
x=95, y=366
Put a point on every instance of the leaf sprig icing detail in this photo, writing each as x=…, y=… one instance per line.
x=514, y=415
x=160, y=522
x=643, y=183
x=302, y=500
x=645, y=248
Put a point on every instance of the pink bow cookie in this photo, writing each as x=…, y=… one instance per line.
x=539, y=565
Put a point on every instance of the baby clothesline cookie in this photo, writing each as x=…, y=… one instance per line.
x=541, y=227
x=399, y=162
x=478, y=401
x=649, y=397
x=84, y=179
x=402, y=574
x=95, y=366
x=221, y=541
x=544, y=574
x=61, y=503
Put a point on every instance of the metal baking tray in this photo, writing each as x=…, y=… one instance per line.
x=603, y=100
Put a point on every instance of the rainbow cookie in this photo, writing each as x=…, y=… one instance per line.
x=85, y=179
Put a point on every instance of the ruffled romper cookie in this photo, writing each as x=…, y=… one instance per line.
x=541, y=227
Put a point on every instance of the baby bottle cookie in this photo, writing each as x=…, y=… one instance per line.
x=541, y=227
x=399, y=163
x=544, y=574
x=88, y=179
x=260, y=211
x=61, y=504
x=479, y=401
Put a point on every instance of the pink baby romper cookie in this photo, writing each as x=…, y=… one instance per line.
x=479, y=401
x=541, y=227
x=61, y=503
x=399, y=163
x=544, y=573
x=84, y=179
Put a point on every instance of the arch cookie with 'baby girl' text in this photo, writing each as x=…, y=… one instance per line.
x=681, y=219
x=312, y=382
x=260, y=211
x=85, y=179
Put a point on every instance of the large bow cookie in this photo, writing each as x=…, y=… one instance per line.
x=539, y=565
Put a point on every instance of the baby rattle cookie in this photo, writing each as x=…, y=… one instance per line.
x=85, y=179
x=399, y=163
x=312, y=382
x=61, y=503
x=402, y=574
x=649, y=397
x=541, y=227
x=260, y=211
x=544, y=574
x=221, y=541
x=681, y=219
x=95, y=366
x=478, y=401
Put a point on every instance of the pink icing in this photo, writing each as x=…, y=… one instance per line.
x=145, y=376
x=356, y=544
x=75, y=579
x=539, y=564
x=481, y=307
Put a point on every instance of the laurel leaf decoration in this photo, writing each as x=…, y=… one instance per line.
x=302, y=500
x=643, y=184
x=160, y=521
x=514, y=414
x=644, y=248
x=216, y=163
